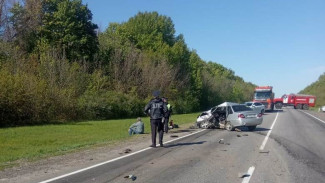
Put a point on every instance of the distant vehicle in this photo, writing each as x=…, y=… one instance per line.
x=256, y=106
x=299, y=101
x=265, y=95
x=240, y=115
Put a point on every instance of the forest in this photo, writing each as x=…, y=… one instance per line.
x=317, y=89
x=56, y=65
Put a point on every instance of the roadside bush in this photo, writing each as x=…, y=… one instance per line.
x=21, y=98
x=109, y=105
x=34, y=92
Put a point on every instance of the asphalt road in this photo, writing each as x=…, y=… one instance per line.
x=294, y=151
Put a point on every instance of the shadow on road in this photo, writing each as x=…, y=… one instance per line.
x=179, y=131
x=274, y=111
x=259, y=129
x=184, y=144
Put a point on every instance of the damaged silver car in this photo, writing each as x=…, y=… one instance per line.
x=211, y=118
x=238, y=115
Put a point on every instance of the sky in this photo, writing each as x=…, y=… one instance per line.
x=266, y=42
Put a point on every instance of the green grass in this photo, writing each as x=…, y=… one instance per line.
x=36, y=142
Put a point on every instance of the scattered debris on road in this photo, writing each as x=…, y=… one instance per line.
x=174, y=136
x=227, y=143
x=264, y=151
x=238, y=135
x=224, y=150
x=130, y=177
x=237, y=129
x=245, y=134
x=221, y=141
x=127, y=150
x=243, y=175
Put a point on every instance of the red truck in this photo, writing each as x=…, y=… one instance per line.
x=265, y=95
x=299, y=101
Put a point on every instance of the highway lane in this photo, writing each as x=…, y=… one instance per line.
x=298, y=139
x=293, y=153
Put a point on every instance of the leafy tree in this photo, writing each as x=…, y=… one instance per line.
x=67, y=25
x=43, y=84
x=4, y=16
x=317, y=88
x=148, y=30
x=24, y=24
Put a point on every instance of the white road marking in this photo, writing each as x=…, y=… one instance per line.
x=268, y=133
x=252, y=168
x=313, y=116
x=250, y=173
x=112, y=160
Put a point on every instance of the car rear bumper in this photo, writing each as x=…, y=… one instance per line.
x=248, y=122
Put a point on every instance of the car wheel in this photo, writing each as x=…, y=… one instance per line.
x=251, y=128
x=299, y=106
x=229, y=126
x=305, y=107
x=204, y=124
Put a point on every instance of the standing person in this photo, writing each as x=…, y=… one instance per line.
x=156, y=109
x=137, y=127
x=167, y=114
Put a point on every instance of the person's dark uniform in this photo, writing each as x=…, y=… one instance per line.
x=156, y=108
x=167, y=115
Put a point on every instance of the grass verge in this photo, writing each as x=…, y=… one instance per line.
x=36, y=142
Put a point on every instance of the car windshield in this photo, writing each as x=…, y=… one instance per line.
x=239, y=108
x=248, y=103
x=262, y=95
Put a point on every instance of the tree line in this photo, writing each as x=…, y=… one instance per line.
x=317, y=89
x=56, y=66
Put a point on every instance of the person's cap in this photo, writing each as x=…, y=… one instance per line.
x=156, y=93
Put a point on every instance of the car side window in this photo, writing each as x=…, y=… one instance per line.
x=229, y=110
x=258, y=104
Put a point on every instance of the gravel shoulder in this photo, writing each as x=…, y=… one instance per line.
x=55, y=166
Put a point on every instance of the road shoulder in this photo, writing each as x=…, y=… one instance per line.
x=58, y=165
x=320, y=115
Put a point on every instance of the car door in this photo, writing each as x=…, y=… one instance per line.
x=232, y=116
